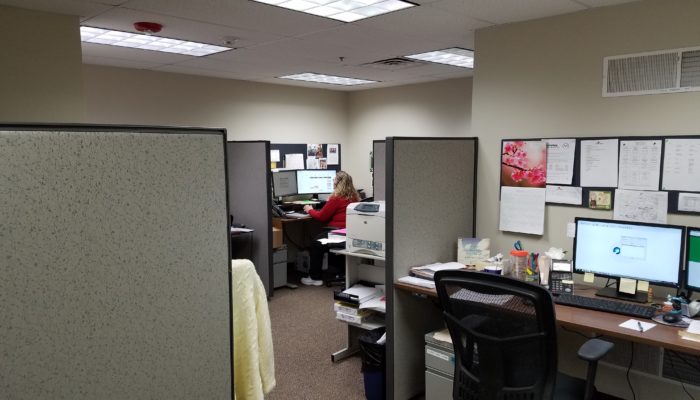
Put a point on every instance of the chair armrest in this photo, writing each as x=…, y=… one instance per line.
x=594, y=349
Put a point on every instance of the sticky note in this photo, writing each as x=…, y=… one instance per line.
x=571, y=230
x=628, y=286
x=588, y=277
x=643, y=286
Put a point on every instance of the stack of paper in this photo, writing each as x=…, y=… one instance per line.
x=428, y=271
x=358, y=303
x=412, y=280
x=357, y=294
x=693, y=331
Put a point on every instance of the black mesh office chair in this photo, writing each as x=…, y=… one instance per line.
x=505, y=339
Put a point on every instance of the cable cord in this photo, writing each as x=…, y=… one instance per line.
x=629, y=367
x=580, y=334
x=678, y=376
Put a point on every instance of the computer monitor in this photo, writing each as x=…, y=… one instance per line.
x=315, y=181
x=284, y=183
x=692, y=259
x=633, y=250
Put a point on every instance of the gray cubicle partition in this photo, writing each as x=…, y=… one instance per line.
x=250, y=202
x=431, y=197
x=379, y=169
x=114, y=267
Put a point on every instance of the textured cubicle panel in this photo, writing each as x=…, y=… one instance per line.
x=250, y=200
x=114, y=271
x=430, y=202
x=379, y=170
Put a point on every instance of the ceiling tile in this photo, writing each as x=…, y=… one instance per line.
x=244, y=14
x=178, y=28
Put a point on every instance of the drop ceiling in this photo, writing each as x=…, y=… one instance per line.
x=271, y=42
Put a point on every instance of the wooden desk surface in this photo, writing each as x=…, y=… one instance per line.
x=600, y=322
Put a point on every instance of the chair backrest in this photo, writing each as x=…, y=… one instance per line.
x=504, y=335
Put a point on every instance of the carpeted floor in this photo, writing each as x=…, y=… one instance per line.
x=305, y=333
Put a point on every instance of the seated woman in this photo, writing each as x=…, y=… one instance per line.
x=332, y=214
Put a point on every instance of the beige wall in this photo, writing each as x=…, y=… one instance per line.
x=281, y=114
x=249, y=111
x=428, y=109
x=40, y=67
x=544, y=79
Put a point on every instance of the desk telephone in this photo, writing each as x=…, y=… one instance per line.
x=277, y=211
x=561, y=271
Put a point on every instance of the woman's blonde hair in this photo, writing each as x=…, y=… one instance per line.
x=344, y=187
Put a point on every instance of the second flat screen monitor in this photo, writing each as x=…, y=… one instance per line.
x=692, y=264
x=315, y=181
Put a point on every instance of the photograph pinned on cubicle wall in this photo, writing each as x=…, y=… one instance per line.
x=524, y=163
x=600, y=199
x=314, y=150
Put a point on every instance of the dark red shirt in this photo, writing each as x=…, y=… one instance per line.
x=333, y=212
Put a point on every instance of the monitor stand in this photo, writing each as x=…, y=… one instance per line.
x=639, y=297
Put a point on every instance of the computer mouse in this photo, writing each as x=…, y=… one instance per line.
x=672, y=318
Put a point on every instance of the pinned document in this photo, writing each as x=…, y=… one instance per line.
x=522, y=210
x=599, y=162
x=588, y=277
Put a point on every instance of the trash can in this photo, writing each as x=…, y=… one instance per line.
x=373, y=364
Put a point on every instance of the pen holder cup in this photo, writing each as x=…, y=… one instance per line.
x=518, y=262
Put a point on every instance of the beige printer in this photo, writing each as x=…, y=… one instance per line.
x=365, y=223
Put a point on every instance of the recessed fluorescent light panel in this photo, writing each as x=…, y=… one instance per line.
x=147, y=42
x=342, y=10
x=455, y=56
x=329, y=79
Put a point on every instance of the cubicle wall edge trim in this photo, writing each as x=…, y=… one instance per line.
x=268, y=185
x=230, y=272
x=476, y=167
x=389, y=266
x=374, y=142
x=114, y=128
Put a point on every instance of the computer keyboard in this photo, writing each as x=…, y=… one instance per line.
x=613, y=306
x=296, y=215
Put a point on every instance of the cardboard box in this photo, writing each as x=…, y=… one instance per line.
x=276, y=237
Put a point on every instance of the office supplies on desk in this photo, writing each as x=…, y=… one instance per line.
x=561, y=271
x=412, y=280
x=357, y=294
x=637, y=325
x=427, y=271
x=472, y=251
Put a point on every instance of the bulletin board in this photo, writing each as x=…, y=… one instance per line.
x=637, y=165
x=114, y=275
x=299, y=148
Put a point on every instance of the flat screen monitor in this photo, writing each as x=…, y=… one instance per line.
x=633, y=250
x=284, y=183
x=315, y=181
x=692, y=259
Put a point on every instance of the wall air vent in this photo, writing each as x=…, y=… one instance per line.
x=666, y=71
x=393, y=64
